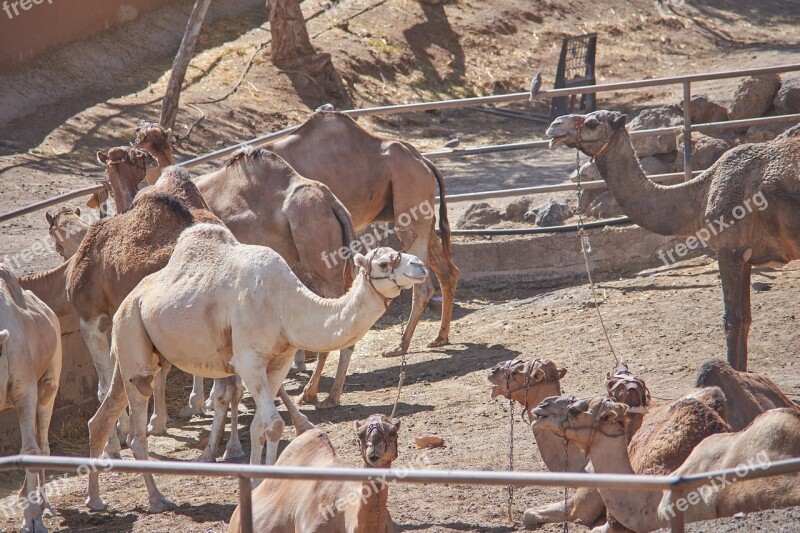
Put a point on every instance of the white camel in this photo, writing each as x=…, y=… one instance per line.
x=30, y=367
x=220, y=308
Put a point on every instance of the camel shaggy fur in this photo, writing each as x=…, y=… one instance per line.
x=220, y=308
x=287, y=506
x=746, y=206
x=598, y=426
x=30, y=367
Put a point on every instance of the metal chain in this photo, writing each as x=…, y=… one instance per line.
x=400, y=381
x=511, y=459
x=566, y=466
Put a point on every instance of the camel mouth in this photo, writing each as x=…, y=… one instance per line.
x=558, y=141
x=495, y=391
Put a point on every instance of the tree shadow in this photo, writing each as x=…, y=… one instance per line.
x=80, y=520
x=458, y=526
x=436, y=31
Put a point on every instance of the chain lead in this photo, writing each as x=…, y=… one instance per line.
x=511, y=460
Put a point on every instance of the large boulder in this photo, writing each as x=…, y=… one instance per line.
x=588, y=172
x=704, y=110
x=552, y=213
x=653, y=118
x=604, y=206
x=787, y=101
x=654, y=165
x=515, y=211
x=705, y=150
x=754, y=97
x=764, y=132
x=478, y=215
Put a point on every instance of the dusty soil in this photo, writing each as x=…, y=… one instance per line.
x=664, y=322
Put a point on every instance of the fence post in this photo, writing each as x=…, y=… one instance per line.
x=687, y=131
x=676, y=522
x=246, y=504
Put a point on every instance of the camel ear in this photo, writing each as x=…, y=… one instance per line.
x=104, y=323
x=561, y=372
x=93, y=202
x=102, y=157
x=537, y=375
x=361, y=261
x=617, y=121
x=49, y=217
x=169, y=136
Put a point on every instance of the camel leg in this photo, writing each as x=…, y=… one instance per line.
x=312, y=387
x=735, y=282
x=447, y=273
x=338, y=384
x=234, y=448
x=584, y=507
x=196, y=405
x=94, y=333
x=47, y=389
x=32, y=514
x=747, y=316
x=275, y=385
x=160, y=419
x=300, y=422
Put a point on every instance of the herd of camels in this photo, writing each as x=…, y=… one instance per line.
x=223, y=276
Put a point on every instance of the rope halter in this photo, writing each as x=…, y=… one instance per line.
x=579, y=123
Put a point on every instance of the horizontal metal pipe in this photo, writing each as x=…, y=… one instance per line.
x=48, y=202
x=486, y=149
x=777, y=468
x=258, y=141
x=535, y=231
x=745, y=123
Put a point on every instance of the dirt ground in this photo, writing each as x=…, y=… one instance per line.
x=664, y=322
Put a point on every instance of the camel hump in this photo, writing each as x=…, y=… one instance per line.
x=12, y=284
x=177, y=182
x=255, y=153
x=208, y=232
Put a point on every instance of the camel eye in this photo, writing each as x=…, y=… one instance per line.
x=591, y=123
x=383, y=263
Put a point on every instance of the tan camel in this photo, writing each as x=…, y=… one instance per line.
x=598, y=426
x=746, y=206
x=125, y=168
x=264, y=201
x=67, y=229
x=220, y=308
x=155, y=140
x=30, y=367
x=287, y=506
x=381, y=180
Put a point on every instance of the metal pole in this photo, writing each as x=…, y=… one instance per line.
x=245, y=505
x=687, y=130
x=676, y=521
x=50, y=202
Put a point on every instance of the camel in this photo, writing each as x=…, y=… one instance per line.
x=264, y=201
x=598, y=426
x=226, y=393
x=155, y=140
x=287, y=505
x=220, y=308
x=381, y=180
x=66, y=228
x=30, y=367
x=725, y=207
x=125, y=168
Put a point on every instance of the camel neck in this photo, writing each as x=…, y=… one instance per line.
x=663, y=209
x=373, y=513
x=50, y=287
x=336, y=323
x=124, y=193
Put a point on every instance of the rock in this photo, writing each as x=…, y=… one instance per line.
x=787, y=101
x=604, y=206
x=428, y=441
x=653, y=165
x=516, y=210
x=754, y=97
x=478, y=215
x=705, y=150
x=764, y=133
x=552, y=213
x=657, y=117
x=588, y=171
x=761, y=286
x=705, y=110
x=435, y=304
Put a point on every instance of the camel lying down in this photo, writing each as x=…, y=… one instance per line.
x=287, y=506
x=598, y=426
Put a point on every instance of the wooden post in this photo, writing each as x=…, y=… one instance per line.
x=169, y=107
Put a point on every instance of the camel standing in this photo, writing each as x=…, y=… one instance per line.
x=598, y=426
x=220, y=308
x=66, y=228
x=286, y=505
x=725, y=206
x=381, y=180
x=30, y=367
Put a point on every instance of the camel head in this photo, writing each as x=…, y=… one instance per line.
x=590, y=133
x=152, y=137
x=129, y=165
x=526, y=382
x=390, y=271
x=624, y=387
x=580, y=420
x=5, y=367
x=377, y=438
x=62, y=225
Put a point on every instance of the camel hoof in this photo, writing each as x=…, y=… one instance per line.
x=233, y=454
x=329, y=403
x=34, y=526
x=438, y=342
x=308, y=399
x=299, y=367
x=96, y=504
x=156, y=429
x=397, y=351
x=160, y=505
x=191, y=410
x=532, y=520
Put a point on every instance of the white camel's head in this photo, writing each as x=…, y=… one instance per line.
x=581, y=420
x=590, y=133
x=5, y=367
x=62, y=225
x=391, y=271
x=377, y=438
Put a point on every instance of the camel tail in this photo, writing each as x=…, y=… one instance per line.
x=348, y=232
x=444, y=223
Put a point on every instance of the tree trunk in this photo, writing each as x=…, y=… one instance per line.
x=169, y=107
x=289, y=34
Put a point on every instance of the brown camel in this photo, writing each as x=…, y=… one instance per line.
x=725, y=206
x=598, y=426
x=67, y=230
x=125, y=168
x=155, y=140
x=381, y=180
x=30, y=367
x=287, y=506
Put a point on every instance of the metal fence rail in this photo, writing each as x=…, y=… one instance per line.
x=676, y=485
